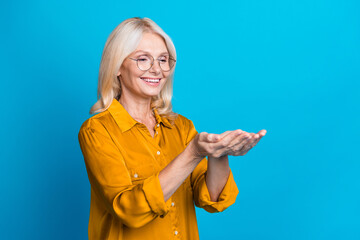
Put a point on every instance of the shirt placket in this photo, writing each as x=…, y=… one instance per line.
x=173, y=206
x=160, y=154
x=174, y=219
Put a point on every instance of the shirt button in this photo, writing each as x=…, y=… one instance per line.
x=158, y=125
x=136, y=175
x=158, y=152
x=156, y=132
x=172, y=204
x=176, y=232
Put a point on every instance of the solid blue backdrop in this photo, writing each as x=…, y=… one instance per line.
x=290, y=67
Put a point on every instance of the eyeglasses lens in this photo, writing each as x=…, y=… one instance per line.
x=145, y=63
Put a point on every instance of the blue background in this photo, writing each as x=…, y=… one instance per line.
x=290, y=67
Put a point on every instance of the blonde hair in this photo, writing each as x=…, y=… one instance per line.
x=122, y=41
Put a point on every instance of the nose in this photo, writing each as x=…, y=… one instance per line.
x=155, y=68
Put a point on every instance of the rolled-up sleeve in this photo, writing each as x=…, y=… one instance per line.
x=202, y=198
x=134, y=204
x=201, y=193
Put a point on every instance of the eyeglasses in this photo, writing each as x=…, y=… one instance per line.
x=145, y=62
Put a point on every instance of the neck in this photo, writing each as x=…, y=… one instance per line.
x=137, y=108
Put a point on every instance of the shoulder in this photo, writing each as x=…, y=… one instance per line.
x=186, y=128
x=97, y=121
x=183, y=123
x=181, y=120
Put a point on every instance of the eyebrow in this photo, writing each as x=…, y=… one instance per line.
x=150, y=53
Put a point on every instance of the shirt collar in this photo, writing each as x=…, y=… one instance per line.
x=124, y=119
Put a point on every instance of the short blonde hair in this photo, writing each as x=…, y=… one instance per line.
x=122, y=41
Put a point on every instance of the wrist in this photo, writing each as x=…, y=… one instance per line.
x=193, y=153
x=218, y=159
x=220, y=164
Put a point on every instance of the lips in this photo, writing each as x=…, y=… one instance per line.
x=151, y=80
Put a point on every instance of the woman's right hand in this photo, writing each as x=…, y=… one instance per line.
x=233, y=143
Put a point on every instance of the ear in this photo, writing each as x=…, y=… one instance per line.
x=118, y=73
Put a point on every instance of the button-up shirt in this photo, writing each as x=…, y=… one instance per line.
x=123, y=162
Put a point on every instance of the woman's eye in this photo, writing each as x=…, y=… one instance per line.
x=142, y=59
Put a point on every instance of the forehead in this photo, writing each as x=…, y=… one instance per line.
x=152, y=43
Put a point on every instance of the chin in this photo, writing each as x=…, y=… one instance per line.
x=152, y=93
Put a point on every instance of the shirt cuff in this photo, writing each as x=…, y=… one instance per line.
x=226, y=198
x=155, y=197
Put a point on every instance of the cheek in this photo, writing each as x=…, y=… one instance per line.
x=166, y=75
x=130, y=71
x=164, y=81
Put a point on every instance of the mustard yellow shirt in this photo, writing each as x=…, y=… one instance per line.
x=123, y=162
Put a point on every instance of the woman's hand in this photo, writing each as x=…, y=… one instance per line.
x=233, y=143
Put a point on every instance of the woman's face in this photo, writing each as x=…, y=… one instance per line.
x=137, y=83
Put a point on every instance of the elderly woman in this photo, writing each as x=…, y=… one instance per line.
x=146, y=164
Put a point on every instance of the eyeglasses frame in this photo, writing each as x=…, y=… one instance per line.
x=152, y=63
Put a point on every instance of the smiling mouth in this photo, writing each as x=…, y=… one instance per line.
x=151, y=80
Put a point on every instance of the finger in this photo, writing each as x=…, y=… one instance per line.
x=224, y=134
x=262, y=132
x=243, y=147
x=203, y=136
x=212, y=137
x=208, y=137
x=250, y=145
x=258, y=136
x=237, y=148
x=225, y=141
x=255, y=141
x=243, y=137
